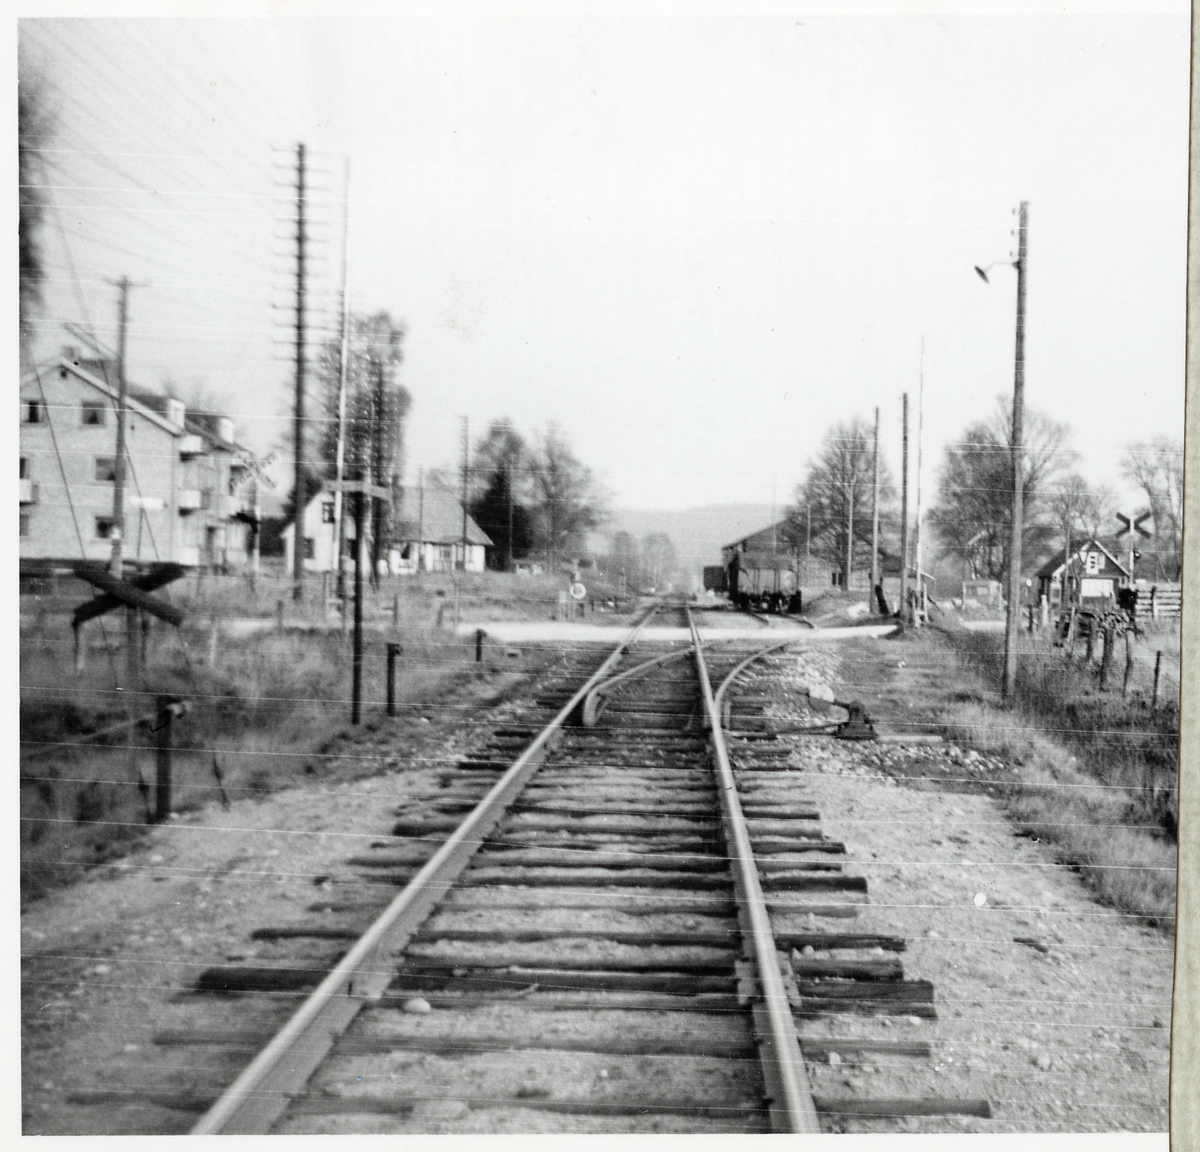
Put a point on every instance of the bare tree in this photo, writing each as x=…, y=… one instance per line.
x=35, y=123
x=974, y=506
x=376, y=407
x=837, y=492
x=567, y=500
x=1156, y=467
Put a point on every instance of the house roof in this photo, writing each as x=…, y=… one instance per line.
x=135, y=398
x=436, y=516
x=773, y=537
x=1053, y=568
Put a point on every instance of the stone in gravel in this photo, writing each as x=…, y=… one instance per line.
x=418, y=1005
x=834, y=1059
x=1044, y=1062
x=980, y=899
x=101, y=970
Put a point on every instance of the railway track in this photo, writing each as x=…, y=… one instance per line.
x=612, y=918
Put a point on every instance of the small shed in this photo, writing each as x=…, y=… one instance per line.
x=1091, y=576
x=982, y=591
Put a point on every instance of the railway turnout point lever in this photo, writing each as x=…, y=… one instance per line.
x=856, y=726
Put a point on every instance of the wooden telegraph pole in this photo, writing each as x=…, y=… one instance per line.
x=466, y=461
x=874, y=511
x=299, y=493
x=132, y=663
x=904, y=511
x=1013, y=617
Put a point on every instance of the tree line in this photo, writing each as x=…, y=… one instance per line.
x=970, y=513
x=532, y=495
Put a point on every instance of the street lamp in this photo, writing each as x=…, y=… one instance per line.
x=1012, y=617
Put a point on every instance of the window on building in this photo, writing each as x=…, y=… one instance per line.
x=94, y=413
x=33, y=412
x=106, y=468
x=310, y=548
x=104, y=527
x=327, y=512
x=24, y=467
x=24, y=519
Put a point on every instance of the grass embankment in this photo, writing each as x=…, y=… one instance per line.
x=1097, y=772
x=268, y=706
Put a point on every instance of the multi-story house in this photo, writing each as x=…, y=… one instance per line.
x=182, y=477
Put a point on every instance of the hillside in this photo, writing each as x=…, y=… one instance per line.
x=697, y=533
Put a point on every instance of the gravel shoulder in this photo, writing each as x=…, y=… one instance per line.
x=1053, y=1007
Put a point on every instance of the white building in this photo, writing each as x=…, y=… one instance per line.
x=184, y=501
x=427, y=532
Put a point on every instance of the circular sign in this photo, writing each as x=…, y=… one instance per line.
x=578, y=591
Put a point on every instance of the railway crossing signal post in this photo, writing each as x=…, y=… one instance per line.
x=1131, y=526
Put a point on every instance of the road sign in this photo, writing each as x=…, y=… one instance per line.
x=578, y=591
x=1131, y=524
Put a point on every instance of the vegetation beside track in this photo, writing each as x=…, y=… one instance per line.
x=1093, y=774
x=269, y=707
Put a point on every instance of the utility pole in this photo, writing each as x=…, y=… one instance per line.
x=807, y=542
x=299, y=494
x=377, y=513
x=875, y=511
x=904, y=513
x=420, y=520
x=1013, y=617
x=509, y=484
x=920, y=432
x=339, y=499
x=118, y=528
x=849, y=533
x=466, y=449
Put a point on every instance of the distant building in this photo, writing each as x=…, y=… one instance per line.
x=982, y=591
x=183, y=475
x=1093, y=575
x=427, y=532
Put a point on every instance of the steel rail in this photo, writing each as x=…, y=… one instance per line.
x=790, y=1098
x=719, y=697
x=259, y=1095
x=591, y=708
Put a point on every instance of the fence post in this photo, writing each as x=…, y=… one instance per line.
x=1106, y=658
x=396, y=610
x=1070, y=641
x=1157, y=670
x=1154, y=603
x=278, y=615
x=479, y=635
x=162, y=747
x=1091, y=641
x=393, y=650
x=1128, y=666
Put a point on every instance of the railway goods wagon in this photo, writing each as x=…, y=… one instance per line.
x=764, y=582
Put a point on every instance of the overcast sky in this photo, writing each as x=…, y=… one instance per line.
x=694, y=243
